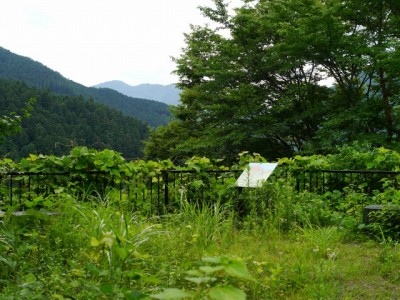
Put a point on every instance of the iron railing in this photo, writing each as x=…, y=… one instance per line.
x=321, y=181
x=155, y=194
x=166, y=190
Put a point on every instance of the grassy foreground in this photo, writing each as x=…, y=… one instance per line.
x=97, y=250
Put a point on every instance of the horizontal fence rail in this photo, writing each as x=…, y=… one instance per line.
x=321, y=181
x=156, y=193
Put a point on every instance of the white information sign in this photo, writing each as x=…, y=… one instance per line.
x=255, y=174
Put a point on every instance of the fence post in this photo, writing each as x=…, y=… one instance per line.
x=166, y=189
x=11, y=190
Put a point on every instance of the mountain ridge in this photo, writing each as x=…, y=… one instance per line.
x=33, y=73
x=168, y=94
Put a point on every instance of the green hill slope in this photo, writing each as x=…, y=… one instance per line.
x=16, y=67
x=58, y=123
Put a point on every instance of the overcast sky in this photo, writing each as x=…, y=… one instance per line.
x=92, y=41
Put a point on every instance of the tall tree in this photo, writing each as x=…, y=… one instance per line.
x=255, y=80
x=355, y=43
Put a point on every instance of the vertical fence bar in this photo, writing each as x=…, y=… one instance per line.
x=29, y=187
x=371, y=175
x=158, y=194
x=166, y=188
x=151, y=195
x=143, y=196
x=20, y=191
x=1, y=193
x=120, y=191
x=11, y=189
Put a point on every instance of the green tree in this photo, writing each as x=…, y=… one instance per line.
x=256, y=80
x=163, y=142
x=356, y=44
x=11, y=124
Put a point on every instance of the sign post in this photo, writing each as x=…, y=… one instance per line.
x=255, y=174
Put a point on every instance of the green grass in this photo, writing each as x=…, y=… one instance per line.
x=94, y=250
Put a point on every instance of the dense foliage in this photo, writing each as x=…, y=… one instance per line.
x=35, y=74
x=280, y=77
x=283, y=244
x=11, y=123
x=58, y=123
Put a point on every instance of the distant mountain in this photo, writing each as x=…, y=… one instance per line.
x=16, y=67
x=168, y=94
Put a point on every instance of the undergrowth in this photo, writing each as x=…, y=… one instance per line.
x=268, y=243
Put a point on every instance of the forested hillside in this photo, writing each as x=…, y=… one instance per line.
x=57, y=123
x=35, y=74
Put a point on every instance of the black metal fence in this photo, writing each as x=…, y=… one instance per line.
x=156, y=193
x=162, y=192
x=321, y=181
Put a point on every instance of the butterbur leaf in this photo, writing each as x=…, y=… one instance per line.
x=197, y=183
x=29, y=278
x=227, y=293
x=92, y=269
x=238, y=269
x=122, y=253
x=29, y=204
x=171, y=294
x=151, y=279
x=210, y=270
x=194, y=273
x=215, y=260
x=134, y=275
x=104, y=273
x=135, y=295
x=94, y=242
x=107, y=289
x=200, y=280
x=115, y=173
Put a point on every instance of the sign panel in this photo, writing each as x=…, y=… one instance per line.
x=255, y=174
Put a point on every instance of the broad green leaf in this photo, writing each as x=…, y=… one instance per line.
x=200, y=280
x=122, y=253
x=107, y=289
x=238, y=269
x=115, y=173
x=215, y=260
x=171, y=294
x=92, y=269
x=196, y=273
x=133, y=274
x=210, y=270
x=29, y=204
x=197, y=183
x=227, y=293
x=94, y=242
x=30, y=278
x=33, y=157
x=135, y=295
x=151, y=279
